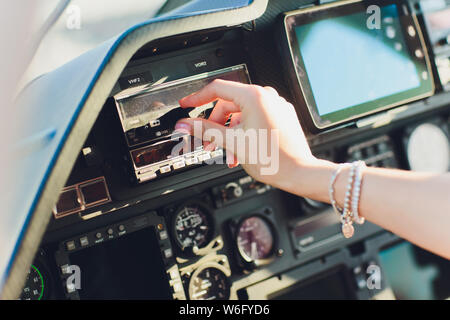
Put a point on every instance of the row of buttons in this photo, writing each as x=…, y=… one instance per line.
x=84, y=241
x=175, y=282
x=377, y=152
x=163, y=235
x=151, y=173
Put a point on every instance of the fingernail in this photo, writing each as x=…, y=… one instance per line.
x=210, y=146
x=182, y=101
x=183, y=128
x=233, y=165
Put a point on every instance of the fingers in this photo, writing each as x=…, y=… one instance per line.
x=204, y=129
x=271, y=90
x=232, y=160
x=235, y=119
x=217, y=89
x=220, y=114
x=208, y=131
x=233, y=97
x=222, y=111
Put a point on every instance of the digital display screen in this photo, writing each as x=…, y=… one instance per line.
x=129, y=267
x=165, y=150
x=352, y=64
x=149, y=113
x=349, y=65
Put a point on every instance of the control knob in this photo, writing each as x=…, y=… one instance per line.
x=233, y=190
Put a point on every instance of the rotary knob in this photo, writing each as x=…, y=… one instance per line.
x=233, y=190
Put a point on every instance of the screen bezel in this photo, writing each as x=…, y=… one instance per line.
x=150, y=234
x=150, y=221
x=302, y=88
x=149, y=88
x=151, y=171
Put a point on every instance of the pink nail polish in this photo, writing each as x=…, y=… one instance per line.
x=183, y=127
x=210, y=146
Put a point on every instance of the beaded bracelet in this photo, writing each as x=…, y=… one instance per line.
x=346, y=218
x=349, y=213
x=357, y=192
x=334, y=204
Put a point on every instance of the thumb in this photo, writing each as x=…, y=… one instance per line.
x=203, y=129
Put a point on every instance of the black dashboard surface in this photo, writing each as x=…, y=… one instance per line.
x=306, y=254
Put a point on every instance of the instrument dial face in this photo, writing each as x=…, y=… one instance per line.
x=34, y=285
x=428, y=149
x=255, y=239
x=209, y=284
x=192, y=227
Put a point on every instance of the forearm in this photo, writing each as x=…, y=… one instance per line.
x=415, y=206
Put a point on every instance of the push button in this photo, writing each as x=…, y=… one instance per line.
x=147, y=176
x=84, y=241
x=164, y=169
x=65, y=269
x=163, y=235
x=70, y=287
x=177, y=287
x=217, y=153
x=168, y=253
x=191, y=161
x=179, y=164
x=70, y=245
x=204, y=157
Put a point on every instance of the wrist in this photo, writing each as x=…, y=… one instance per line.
x=310, y=179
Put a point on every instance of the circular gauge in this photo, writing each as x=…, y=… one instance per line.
x=193, y=227
x=428, y=149
x=34, y=285
x=255, y=239
x=209, y=283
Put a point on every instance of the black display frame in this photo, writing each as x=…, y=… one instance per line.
x=150, y=222
x=298, y=78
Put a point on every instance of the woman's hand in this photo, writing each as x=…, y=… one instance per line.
x=393, y=199
x=260, y=112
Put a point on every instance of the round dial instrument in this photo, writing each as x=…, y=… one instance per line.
x=255, y=239
x=209, y=283
x=34, y=285
x=428, y=149
x=193, y=227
